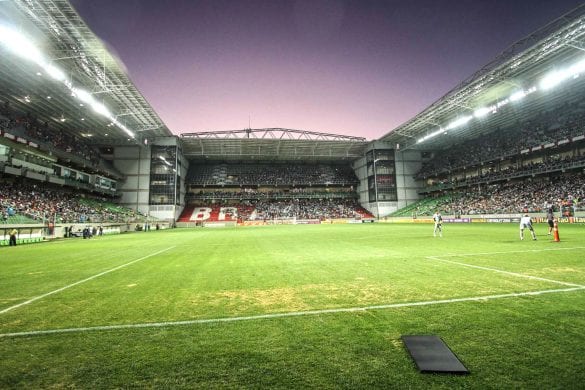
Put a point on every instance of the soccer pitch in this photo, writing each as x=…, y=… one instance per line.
x=294, y=307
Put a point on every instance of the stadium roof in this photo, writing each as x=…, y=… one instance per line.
x=54, y=66
x=272, y=145
x=507, y=89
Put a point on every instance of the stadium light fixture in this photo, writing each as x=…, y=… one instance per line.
x=55, y=72
x=517, y=96
x=549, y=81
x=482, y=111
x=83, y=95
x=553, y=79
x=100, y=109
x=21, y=46
x=125, y=129
x=459, y=122
x=431, y=135
x=577, y=68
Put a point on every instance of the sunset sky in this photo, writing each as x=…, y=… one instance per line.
x=355, y=67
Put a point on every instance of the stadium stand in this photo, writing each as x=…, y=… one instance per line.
x=261, y=192
x=270, y=209
x=25, y=202
x=51, y=139
x=564, y=193
x=551, y=129
x=270, y=174
x=425, y=206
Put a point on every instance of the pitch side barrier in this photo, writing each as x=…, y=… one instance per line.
x=488, y=218
x=34, y=233
x=26, y=234
x=273, y=222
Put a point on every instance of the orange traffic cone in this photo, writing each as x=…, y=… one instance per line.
x=556, y=232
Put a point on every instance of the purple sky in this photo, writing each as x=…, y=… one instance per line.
x=355, y=67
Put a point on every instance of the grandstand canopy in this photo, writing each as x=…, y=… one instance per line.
x=272, y=144
x=508, y=89
x=54, y=66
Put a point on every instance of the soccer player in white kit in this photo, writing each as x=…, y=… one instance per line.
x=526, y=223
x=438, y=224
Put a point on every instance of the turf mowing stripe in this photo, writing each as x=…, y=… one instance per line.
x=83, y=281
x=280, y=315
x=438, y=258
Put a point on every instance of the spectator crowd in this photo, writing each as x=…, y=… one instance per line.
x=529, y=195
x=271, y=174
x=548, y=128
x=40, y=132
x=43, y=203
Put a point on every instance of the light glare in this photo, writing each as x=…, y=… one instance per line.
x=55, y=72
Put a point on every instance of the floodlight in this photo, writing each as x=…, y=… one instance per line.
x=459, y=122
x=431, y=135
x=577, y=68
x=481, y=112
x=553, y=79
x=20, y=45
x=130, y=133
x=517, y=96
x=55, y=72
x=100, y=109
x=83, y=95
x=23, y=47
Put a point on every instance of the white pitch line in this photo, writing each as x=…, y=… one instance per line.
x=281, y=315
x=437, y=258
x=82, y=281
x=518, y=251
x=387, y=235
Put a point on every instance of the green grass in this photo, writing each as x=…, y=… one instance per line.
x=525, y=341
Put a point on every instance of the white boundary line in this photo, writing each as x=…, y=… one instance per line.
x=281, y=315
x=574, y=287
x=82, y=281
x=505, y=252
x=439, y=258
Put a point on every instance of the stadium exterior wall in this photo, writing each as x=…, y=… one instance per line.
x=360, y=169
x=407, y=164
x=134, y=163
x=172, y=212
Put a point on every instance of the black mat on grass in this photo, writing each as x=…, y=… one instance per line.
x=431, y=354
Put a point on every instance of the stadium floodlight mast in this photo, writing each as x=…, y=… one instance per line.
x=21, y=46
x=548, y=82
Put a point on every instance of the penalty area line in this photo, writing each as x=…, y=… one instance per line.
x=82, y=281
x=282, y=315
